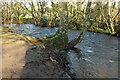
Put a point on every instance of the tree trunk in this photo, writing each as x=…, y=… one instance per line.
x=110, y=18
x=60, y=39
x=81, y=36
x=11, y=12
x=5, y=14
x=19, y=19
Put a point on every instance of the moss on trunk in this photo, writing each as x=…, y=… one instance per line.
x=59, y=41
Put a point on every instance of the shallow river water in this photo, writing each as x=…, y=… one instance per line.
x=95, y=57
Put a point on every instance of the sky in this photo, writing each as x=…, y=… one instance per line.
x=63, y=0
x=49, y=1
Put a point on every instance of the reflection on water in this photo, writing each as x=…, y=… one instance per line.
x=95, y=57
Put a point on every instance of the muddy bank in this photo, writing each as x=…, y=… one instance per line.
x=39, y=65
x=20, y=61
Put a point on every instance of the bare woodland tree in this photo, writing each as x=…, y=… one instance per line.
x=60, y=39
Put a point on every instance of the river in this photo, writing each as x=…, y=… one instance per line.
x=95, y=57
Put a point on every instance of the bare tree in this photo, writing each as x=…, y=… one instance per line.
x=60, y=39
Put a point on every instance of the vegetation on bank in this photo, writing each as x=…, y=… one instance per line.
x=65, y=15
x=60, y=39
x=104, y=17
x=95, y=17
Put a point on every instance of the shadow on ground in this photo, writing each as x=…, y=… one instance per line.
x=37, y=66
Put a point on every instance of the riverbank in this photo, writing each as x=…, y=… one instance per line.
x=19, y=60
x=72, y=26
x=95, y=57
x=13, y=52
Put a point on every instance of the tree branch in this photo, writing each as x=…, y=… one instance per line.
x=116, y=15
x=81, y=36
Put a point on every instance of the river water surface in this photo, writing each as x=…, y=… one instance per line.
x=95, y=57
